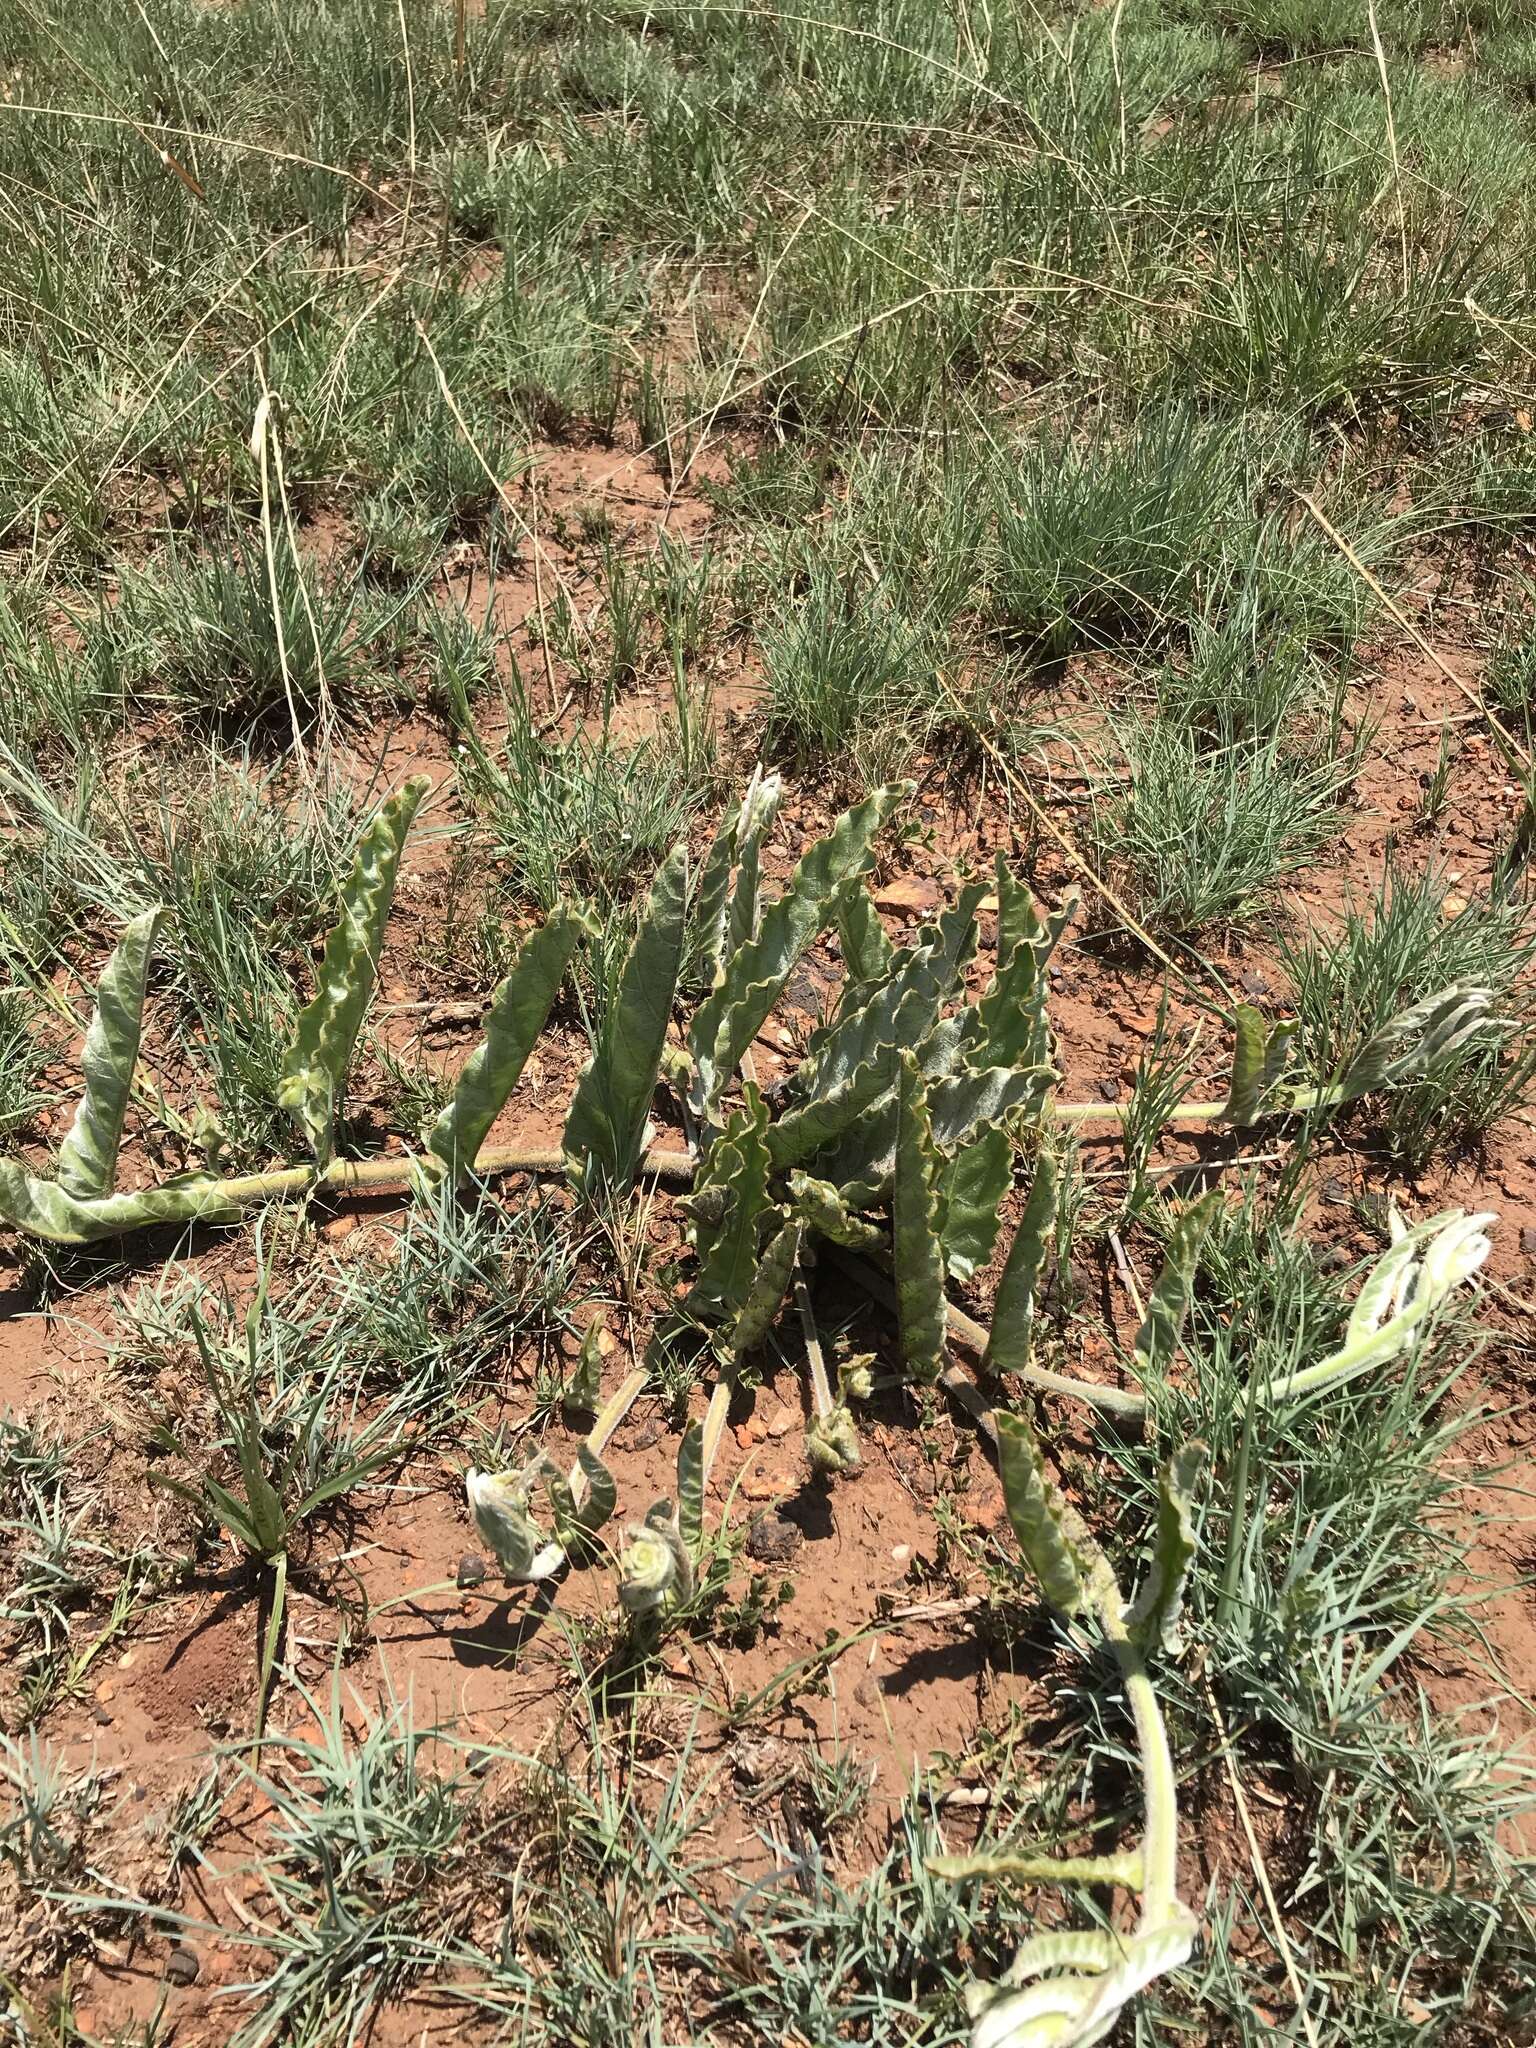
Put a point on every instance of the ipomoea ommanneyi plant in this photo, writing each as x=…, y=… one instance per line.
x=911, y=1097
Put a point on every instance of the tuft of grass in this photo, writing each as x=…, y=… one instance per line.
x=1199, y=835
x=1412, y=936
x=849, y=678
x=239, y=638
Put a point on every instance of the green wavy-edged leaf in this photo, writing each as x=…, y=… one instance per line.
x=88, y=1156
x=1056, y=1543
x=842, y=1103
x=770, y=1284
x=1007, y=1027
x=863, y=1157
x=605, y=1128
x=731, y=1017
x=1260, y=1057
x=726, y=1228
x=915, y=1235
x=44, y=1209
x=954, y=933
x=690, y=1487
x=824, y=1208
x=889, y=1016
x=1153, y=1618
x=577, y=1521
x=963, y=1104
x=975, y=1183
x=1242, y=1104
x=1158, y=1338
x=314, y=1070
x=584, y=1394
x=759, y=808
x=1010, y=1346
x=518, y=1012
x=866, y=946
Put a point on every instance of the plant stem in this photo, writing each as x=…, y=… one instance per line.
x=1159, y=1788
x=1109, y=1400
x=1297, y=1103
x=822, y=1403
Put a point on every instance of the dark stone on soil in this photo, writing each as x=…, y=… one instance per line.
x=181, y=1966
x=1528, y=1242
x=471, y=1571
x=772, y=1540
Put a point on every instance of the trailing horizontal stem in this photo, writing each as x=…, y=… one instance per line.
x=1113, y=1401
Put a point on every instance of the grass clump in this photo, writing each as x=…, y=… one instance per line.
x=1411, y=935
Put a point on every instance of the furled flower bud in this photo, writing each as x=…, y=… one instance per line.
x=655, y=1570
x=832, y=1442
x=499, y=1503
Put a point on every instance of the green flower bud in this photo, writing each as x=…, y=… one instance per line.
x=832, y=1442
x=499, y=1504
x=655, y=1570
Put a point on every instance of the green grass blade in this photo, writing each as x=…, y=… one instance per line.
x=519, y=1008
x=605, y=1129
x=88, y=1155
x=314, y=1070
x=915, y=1228
x=731, y=1017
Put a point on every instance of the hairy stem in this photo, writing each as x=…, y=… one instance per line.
x=1159, y=1788
x=821, y=1388
x=1108, y=1400
x=714, y=1426
x=1296, y=1103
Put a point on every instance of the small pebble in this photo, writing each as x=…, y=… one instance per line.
x=771, y=1539
x=471, y=1570
x=181, y=1966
